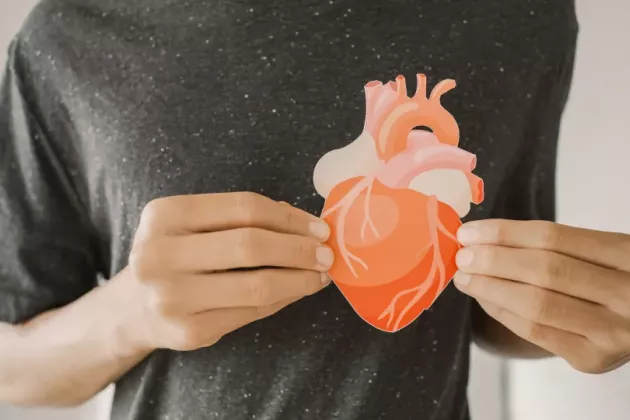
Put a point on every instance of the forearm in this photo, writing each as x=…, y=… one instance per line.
x=66, y=356
x=493, y=337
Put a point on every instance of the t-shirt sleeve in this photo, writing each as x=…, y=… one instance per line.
x=529, y=191
x=46, y=246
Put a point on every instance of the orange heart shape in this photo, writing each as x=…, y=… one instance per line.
x=395, y=259
x=394, y=199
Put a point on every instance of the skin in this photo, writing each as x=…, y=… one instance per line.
x=179, y=292
x=565, y=290
x=548, y=289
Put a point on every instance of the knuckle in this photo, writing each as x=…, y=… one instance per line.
x=264, y=311
x=501, y=233
x=546, y=308
x=590, y=358
x=494, y=311
x=289, y=217
x=187, y=337
x=579, y=363
x=246, y=244
x=135, y=262
x=304, y=250
x=540, y=309
x=161, y=303
x=596, y=363
x=267, y=310
x=247, y=206
x=212, y=340
x=259, y=290
x=153, y=210
x=550, y=236
x=146, y=261
x=535, y=333
x=555, y=269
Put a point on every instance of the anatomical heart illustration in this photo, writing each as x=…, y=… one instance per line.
x=394, y=200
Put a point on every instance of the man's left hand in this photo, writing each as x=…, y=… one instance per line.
x=565, y=289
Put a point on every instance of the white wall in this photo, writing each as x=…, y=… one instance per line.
x=594, y=169
x=11, y=15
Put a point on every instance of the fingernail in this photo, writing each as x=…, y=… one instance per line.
x=464, y=257
x=320, y=229
x=324, y=256
x=326, y=279
x=461, y=279
x=468, y=234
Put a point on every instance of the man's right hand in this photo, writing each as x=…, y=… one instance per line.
x=201, y=266
x=186, y=257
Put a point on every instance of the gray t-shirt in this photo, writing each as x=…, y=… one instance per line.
x=107, y=104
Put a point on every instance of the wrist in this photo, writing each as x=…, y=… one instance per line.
x=130, y=337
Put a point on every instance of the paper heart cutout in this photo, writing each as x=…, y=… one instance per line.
x=394, y=199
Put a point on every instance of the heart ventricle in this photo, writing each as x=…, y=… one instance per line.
x=395, y=249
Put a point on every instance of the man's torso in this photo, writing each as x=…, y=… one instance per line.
x=171, y=97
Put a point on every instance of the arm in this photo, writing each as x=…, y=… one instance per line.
x=49, y=255
x=171, y=296
x=65, y=356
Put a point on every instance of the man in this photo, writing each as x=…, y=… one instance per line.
x=151, y=143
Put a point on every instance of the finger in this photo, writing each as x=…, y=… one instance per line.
x=200, y=293
x=541, y=306
x=549, y=270
x=216, y=212
x=207, y=328
x=575, y=349
x=602, y=248
x=246, y=248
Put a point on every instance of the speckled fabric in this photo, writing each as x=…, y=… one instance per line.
x=108, y=104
